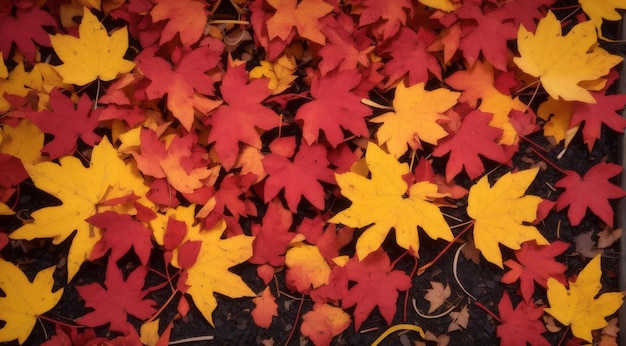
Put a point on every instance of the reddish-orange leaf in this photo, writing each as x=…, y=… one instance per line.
x=187, y=18
x=265, y=308
x=605, y=111
x=303, y=15
x=592, y=192
x=535, y=263
x=392, y=13
x=521, y=326
x=377, y=285
x=272, y=236
x=324, y=323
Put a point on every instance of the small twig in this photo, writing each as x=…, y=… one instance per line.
x=295, y=323
x=486, y=309
x=194, y=339
x=371, y=103
x=417, y=311
x=454, y=271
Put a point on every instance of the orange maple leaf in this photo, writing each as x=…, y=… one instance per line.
x=304, y=16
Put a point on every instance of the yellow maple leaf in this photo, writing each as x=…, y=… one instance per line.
x=384, y=202
x=578, y=306
x=94, y=54
x=280, y=73
x=599, y=10
x=414, y=118
x=307, y=267
x=304, y=15
x=562, y=62
x=444, y=5
x=81, y=190
x=500, y=211
x=23, y=301
x=210, y=274
x=23, y=141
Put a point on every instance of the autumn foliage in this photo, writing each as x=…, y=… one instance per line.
x=338, y=149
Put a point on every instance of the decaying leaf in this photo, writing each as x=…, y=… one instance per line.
x=460, y=319
x=437, y=295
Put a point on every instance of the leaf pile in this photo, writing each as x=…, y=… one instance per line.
x=337, y=149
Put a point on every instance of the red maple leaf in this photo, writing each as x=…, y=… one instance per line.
x=464, y=146
x=596, y=114
x=526, y=12
x=261, y=13
x=335, y=106
x=25, y=28
x=121, y=232
x=300, y=177
x=592, y=191
x=485, y=30
x=116, y=299
x=535, y=263
x=377, y=285
x=11, y=174
x=181, y=83
x=187, y=18
x=393, y=13
x=410, y=56
x=346, y=47
x=272, y=235
x=521, y=326
x=66, y=123
x=238, y=119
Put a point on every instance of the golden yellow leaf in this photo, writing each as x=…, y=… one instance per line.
x=94, y=54
x=23, y=141
x=81, y=190
x=4, y=72
x=15, y=83
x=280, y=73
x=557, y=114
x=384, y=202
x=578, y=306
x=23, y=301
x=210, y=274
x=597, y=10
x=500, y=212
x=562, y=62
x=149, y=333
x=415, y=118
x=444, y=5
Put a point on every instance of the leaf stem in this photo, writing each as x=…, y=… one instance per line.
x=158, y=312
x=406, y=294
x=421, y=269
x=486, y=309
x=51, y=320
x=194, y=339
x=549, y=162
x=295, y=324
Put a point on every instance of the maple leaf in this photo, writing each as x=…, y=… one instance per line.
x=209, y=274
x=410, y=56
x=346, y=48
x=437, y=295
x=81, y=190
x=562, y=62
x=186, y=18
x=335, y=107
x=272, y=236
x=488, y=33
x=12, y=29
x=280, y=73
x=377, y=285
x=500, y=213
x=238, y=119
x=577, y=306
x=299, y=178
x=117, y=298
x=394, y=14
x=23, y=301
x=323, y=323
x=415, y=118
x=306, y=267
x=599, y=10
x=460, y=319
x=121, y=232
x=592, y=192
x=596, y=114
x=303, y=15
x=535, y=263
x=24, y=141
x=94, y=54
x=464, y=146
x=383, y=202
x=66, y=123
x=526, y=12
x=520, y=326
x=265, y=308
x=181, y=83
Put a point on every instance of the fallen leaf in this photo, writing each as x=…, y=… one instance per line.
x=592, y=192
x=520, y=326
x=323, y=323
x=392, y=13
x=600, y=10
x=303, y=15
x=577, y=306
x=381, y=201
x=94, y=54
x=459, y=319
x=23, y=301
x=265, y=308
x=437, y=295
x=501, y=213
x=608, y=236
x=585, y=245
x=187, y=18
x=306, y=268
x=562, y=61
